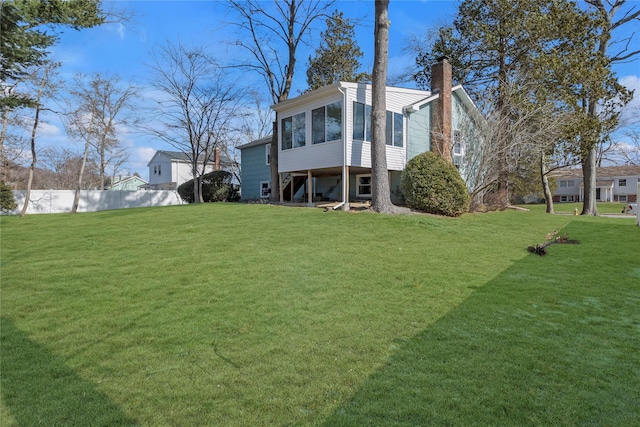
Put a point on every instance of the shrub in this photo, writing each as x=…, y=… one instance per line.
x=7, y=201
x=216, y=187
x=432, y=184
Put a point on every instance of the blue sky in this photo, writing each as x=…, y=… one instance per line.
x=125, y=49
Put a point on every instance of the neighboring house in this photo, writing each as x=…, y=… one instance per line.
x=613, y=184
x=324, y=146
x=169, y=169
x=127, y=183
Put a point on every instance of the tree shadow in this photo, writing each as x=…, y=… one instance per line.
x=39, y=389
x=525, y=349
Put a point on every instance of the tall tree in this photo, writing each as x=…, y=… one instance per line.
x=27, y=29
x=198, y=110
x=271, y=35
x=608, y=93
x=338, y=56
x=495, y=45
x=380, y=191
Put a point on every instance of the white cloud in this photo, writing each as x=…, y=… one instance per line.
x=143, y=154
x=48, y=130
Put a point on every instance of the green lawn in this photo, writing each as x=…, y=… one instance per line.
x=604, y=208
x=252, y=315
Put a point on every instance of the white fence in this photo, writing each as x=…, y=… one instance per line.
x=60, y=201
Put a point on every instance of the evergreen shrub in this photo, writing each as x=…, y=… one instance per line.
x=216, y=187
x=432, y=184
x=7, y=201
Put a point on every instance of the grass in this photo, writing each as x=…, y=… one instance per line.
x=604, y=208
x=260, y=315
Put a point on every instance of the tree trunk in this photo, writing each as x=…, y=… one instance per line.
x=589, y=180
x=548, y=197
x=32, y=168
x=76, y=198
x=273, y=164
x=34, y=129
x=380, y=191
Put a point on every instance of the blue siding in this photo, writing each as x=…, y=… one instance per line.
x=254, y=171
x=419, y=132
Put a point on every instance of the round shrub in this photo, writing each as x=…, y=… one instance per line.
x=216, y=187
x=432, y=184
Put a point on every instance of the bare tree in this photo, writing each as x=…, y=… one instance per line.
x=198, y=109
x=271, y=36
x=96, y=107
x=63, y=164
x=532, y=134
x=45, y=88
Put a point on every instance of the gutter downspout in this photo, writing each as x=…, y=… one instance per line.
x=345, y=197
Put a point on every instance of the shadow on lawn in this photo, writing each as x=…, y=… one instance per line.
x=39, y=389
x=528, y=348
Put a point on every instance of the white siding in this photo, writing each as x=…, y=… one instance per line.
x=314, y=156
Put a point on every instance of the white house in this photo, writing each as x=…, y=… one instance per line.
x=169, y=169
x=324, y=138
x=613, y=184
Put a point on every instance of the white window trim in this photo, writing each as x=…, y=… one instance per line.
x=262, y=195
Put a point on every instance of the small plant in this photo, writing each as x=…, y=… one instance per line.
x=550, y=239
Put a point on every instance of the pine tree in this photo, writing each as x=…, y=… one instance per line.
x=338, y=57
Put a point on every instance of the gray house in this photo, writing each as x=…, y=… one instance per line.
x=324, y=145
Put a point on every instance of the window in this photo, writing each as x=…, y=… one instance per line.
x=159, y=170
x=563, y=184
x=362, y=125
x=267, y=151
x=458, y=148
x=293, y=132
x=155, y=170
x=361, y=121
x=394, y=129
x=265, y=189
x=363, y=185
x=570, y=183
x=622, y=198
x=622, y=183
x=326, y=123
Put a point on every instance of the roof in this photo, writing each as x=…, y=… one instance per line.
x=604, y=172
x=123, y=179
x=309, y=97
x=262, y=141
x=180, y=156
x=177, y=155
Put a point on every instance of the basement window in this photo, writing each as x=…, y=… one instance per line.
x=265, y=189
x=363, y=185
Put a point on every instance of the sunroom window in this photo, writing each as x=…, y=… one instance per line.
x=293, y=131
x=362, y=125
x=326, y=123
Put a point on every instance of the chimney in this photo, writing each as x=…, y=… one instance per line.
x=216, y=159
x=441, y=133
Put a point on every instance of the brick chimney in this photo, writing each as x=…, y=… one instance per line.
x=441, y=133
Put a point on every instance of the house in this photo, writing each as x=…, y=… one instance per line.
x=169, y=169
x=324, y=139
x=613, y=184
x=127, y=183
